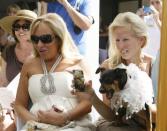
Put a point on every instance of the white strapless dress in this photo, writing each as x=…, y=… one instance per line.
x=62, y=99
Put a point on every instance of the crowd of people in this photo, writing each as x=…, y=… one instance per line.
x=46, y=47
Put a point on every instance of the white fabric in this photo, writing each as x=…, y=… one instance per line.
x=137, y=92
x=13, y=85
x=154, y=36
x=62, y=98
x=8, y=94
x=6, y=97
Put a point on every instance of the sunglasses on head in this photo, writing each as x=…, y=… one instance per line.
x=45, y=39
x=25, y=27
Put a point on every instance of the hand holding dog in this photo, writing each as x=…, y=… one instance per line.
x=87, y=94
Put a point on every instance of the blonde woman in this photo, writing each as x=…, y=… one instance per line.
x=46, y=79
x=127, y=36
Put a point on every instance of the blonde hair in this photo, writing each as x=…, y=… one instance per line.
x=12, y=8
x=131, y=22
x=58, y=26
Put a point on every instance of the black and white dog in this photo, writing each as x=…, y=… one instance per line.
x=128, y=88
x=112, y=80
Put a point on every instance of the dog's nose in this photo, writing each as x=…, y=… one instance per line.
x=102, y=90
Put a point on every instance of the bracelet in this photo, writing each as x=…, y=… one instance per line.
x=67, y=117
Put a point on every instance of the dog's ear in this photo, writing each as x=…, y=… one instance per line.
x=100, y=69
x=121, y=77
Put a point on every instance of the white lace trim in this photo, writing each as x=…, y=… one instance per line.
x=137, y=91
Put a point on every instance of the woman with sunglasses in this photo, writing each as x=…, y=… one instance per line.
x=47, y=80
x=16, y=54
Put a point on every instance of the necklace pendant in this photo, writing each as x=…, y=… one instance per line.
x=47, y=84
x=47, y=80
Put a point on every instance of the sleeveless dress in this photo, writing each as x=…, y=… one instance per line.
x=62, y=99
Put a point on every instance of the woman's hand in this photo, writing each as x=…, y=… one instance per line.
x=87, y=94
x=52, y=117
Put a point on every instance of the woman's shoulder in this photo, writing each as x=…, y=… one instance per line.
x=31, y=66
x=147, y=58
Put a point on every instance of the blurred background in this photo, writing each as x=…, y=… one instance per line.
x=24, y=4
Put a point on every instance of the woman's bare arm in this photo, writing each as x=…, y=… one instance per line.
x=22, y=97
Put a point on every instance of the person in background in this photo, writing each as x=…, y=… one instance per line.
x=47, y=78
x=16, y=54
x=12, y=9
x=155, y=79
x=158, y=6
x=103, y=41
x=3, y=39
x=6, y=38
x=127, y=37
x=153, y=21
x=155, y=69
x=155, y=75
x=78, y=15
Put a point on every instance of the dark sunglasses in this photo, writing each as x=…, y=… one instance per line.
x=25, y=27
x=45, y=39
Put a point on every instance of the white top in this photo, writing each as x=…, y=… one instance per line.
x=8, y=94
x=154, y=36
x=62, y=98
x=62, y=81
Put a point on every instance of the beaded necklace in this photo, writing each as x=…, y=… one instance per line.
x=47, y=80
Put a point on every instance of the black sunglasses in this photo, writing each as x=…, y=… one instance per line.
x=25, y=27
x=45, y=39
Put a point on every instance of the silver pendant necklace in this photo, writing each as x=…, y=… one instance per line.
x=47, y=80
